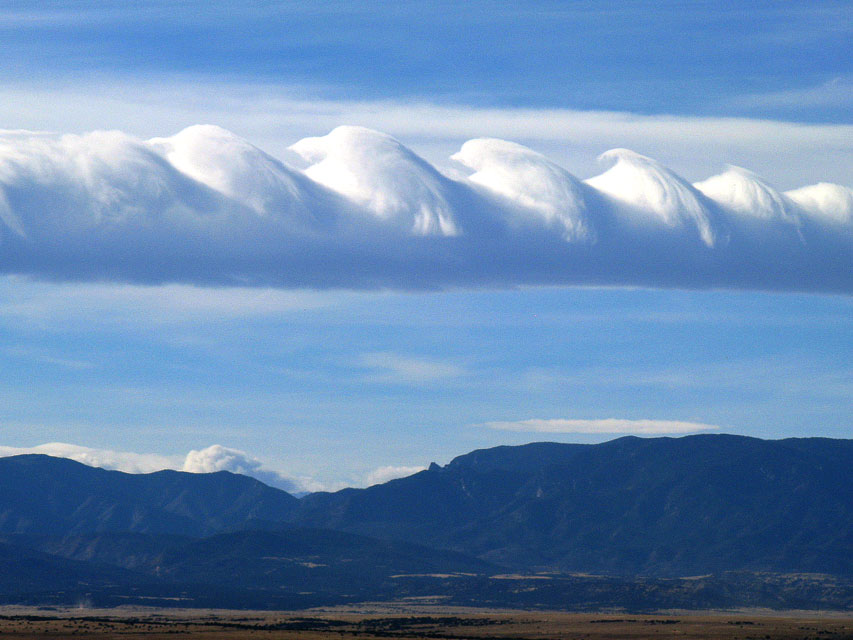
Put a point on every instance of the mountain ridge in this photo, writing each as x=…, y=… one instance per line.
x=90, y=499
x=640, y=487
x=636, y=512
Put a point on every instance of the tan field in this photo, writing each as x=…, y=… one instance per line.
x=383, y=621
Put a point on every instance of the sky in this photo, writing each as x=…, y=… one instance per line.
x=350, y=275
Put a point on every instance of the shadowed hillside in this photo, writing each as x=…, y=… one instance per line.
x=508, y=526
x=659, y=506
x=41, y=494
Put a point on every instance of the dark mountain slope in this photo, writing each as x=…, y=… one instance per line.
x=162, y=554
x=660, y=506
x=649, y=506
x=291, y=560
x=680, y=507
x=432, y=505
x=25, y=571
x=652, y=507
x=304, y=568
x=144, y=552
x=42, y=494
x=309, y=560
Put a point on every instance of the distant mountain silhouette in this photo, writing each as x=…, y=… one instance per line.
x=653, y=507
x=46, y=495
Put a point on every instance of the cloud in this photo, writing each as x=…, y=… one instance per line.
x=43, y=357
x=126, y=461
x=381, y=175
x=608, y=425
x=531, y=181
x=384, y=474
x=219, y=458
x=209, y=460
x=837, y=92
x=105, y=303
x=274, y=116
x=397, y=368
x=206, y=207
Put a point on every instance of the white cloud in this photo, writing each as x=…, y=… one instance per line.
x=126, y=461
x=208, y=460
x=529, y=180
x=397, y=368
x=607, y=425
x=380, y=174
x=219, y=458
x=205, y=207
x=391, y=472
x=274, y=117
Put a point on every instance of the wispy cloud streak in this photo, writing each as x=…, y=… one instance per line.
x=393, y=367
x=607, y=425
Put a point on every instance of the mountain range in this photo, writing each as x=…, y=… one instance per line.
x=708, y=520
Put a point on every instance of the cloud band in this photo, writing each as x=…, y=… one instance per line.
x=206, y=207
x=607, y=425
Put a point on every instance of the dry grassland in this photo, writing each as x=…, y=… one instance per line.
x=389, y=621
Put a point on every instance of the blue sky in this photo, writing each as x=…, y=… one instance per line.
x=665, y=57
x=333, y=384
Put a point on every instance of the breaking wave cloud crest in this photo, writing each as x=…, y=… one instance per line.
x=363, y=211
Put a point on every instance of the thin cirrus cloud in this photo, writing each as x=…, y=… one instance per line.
x=837, y=92
x=207, y=207
x=393, y=367
x=104, y=304
x=607, y=425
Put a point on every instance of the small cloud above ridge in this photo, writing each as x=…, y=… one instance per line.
x=606, y=426
x=218, y=458
x=384, y=474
